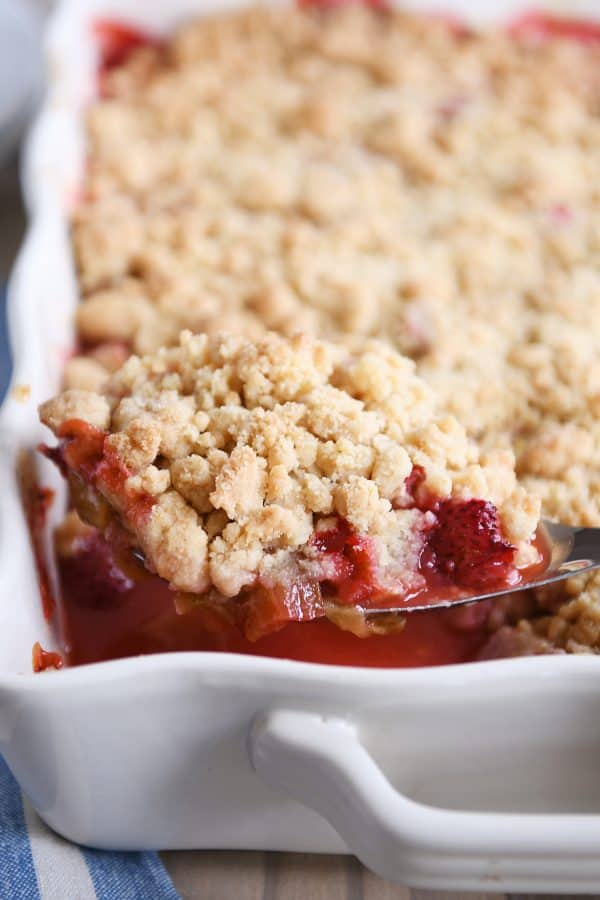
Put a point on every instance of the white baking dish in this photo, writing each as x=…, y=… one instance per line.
x=482, y=776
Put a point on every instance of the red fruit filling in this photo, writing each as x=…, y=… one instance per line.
x=466, y=546
x=144, y=619
x=104, y=570
x=350, y=565
x=464, y=549
x=44, y=659
x=85, y=457
x=268, y=609
x=116, y=41
x=36, y=503
x=540, y=26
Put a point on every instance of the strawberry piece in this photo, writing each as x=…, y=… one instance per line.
x=98, y=566
x=268, y=609
x=467, y=547
x=349, y=562
x=334, y=539
x=362, y=582
x=116, y=41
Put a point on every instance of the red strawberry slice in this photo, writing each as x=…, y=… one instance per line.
x=116, y=41
x=362, y=582
x=466, y=545
x=349, y=562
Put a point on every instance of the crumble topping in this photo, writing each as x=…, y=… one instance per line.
x=76, y=404
x=354, y=175
x=249, y=449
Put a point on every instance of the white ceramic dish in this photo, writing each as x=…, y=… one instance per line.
x=482, y=776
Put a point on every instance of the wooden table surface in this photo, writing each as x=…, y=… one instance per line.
x=221, y=875
x=225, y=875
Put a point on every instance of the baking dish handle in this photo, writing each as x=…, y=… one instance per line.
x=322, y=763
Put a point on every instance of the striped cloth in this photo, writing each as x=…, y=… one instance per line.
x=5, y=360
x=37, y=864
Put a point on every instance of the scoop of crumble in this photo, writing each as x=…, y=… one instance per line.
x=290, y=465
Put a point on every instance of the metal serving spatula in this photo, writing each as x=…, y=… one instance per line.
x=570, y=551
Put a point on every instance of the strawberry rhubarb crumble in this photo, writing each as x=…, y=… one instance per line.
x=353, y=173
x=291, y=477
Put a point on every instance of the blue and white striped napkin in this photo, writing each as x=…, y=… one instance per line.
x=5, y=356
x=37, y=864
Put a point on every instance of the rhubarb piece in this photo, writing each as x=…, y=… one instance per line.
x=42, y=660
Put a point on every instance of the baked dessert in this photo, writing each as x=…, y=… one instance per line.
x=432, y=186
x=291, y=476
x=428, y=185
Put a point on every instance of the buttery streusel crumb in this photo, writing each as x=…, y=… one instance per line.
x=248, y=448
x=21, y=392
x=76, y=404
x=354, y=174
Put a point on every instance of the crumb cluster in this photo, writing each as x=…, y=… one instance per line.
x=354, y=175
x=249, y=447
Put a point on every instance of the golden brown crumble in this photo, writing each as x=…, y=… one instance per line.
x=248, y=447
x=76, y=404
x=352, y=174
